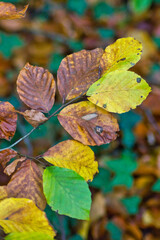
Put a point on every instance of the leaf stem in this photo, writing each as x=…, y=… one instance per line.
x=33, y=129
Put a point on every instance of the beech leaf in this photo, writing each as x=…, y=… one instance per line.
x=121, y=55
x=28, y=236
x=34, y=117
x=9, y=11
x=3, y=192
x=119, y=91
x=26, y=182
x=22, y=215
x=8, y=120
x=77, y=72
x=88, y=123
x=6, y=156
x=36, y=88
x=73, y=155
x=12, y=166
x=67, y=192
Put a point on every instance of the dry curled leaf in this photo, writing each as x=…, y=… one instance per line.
x=88, y=123
x=36, y=88
x=12, y=166
x=77, y=72
x=26, y=182
x=73, y=155
x=9, y=11
x=6, y=156
x=8, y=120
x=34, y=117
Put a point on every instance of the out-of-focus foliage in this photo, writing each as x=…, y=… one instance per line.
x=126, y=191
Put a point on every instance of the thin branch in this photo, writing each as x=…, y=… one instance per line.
x=53, y=114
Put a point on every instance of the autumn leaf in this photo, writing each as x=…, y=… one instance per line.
x=121, y=55
x=22, y=215
x=28, y=236
x=36, y=88
x=77, y=72
x=26, y=182
x=67, y=192
x=119, y=91
x=9, y=11
x=6, y=156
x=73, y=155
x=3, y=192
x=8, y=120
x=12, y=166
x=88, y=123
x=34, y=117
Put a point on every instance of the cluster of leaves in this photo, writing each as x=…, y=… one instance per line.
x=102, y=76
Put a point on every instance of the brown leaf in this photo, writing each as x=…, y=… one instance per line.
x=9, y=11
x=77, y=72
x=34, y=117
x=89, y=123
x=6, y=156
x=26, y=182
x=36, y=88
x=8, y=120
x=12, y=166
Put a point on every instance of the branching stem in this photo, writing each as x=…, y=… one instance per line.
x=33, y=129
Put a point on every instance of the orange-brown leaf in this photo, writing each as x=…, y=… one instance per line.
x=6, y=156
x=26, y=182
x=9, y=11
x=89, y=123
x=12, y=166
x=8, y=120
x=36, y=88
x=77, y=72
x=34, y=117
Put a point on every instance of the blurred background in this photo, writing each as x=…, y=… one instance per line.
x=126, y=192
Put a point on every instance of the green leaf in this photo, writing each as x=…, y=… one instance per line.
x=8, y=43
x=115, y=232
x=102, y=9
x=156, y=186
x=102, y=180
x=140, y=6
x=28, y=236
x=122, y=165
x=78, y=6
x=122, y=179
x=67, y=192
x=131, y=204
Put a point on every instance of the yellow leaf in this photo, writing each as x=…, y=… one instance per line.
x=121, y=55
x=119, y=91
x=22, y=215
x=9, y=11
x=73, y=155
x=3, y=192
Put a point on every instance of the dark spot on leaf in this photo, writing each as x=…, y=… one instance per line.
x=98, y=84
x=138, y=80
x=138, y=53
x=98, y=129
x=132, y=64
x=122, y=59
x=97, y=102
x=141, y=96
x=138, y=48
x=104, y=105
